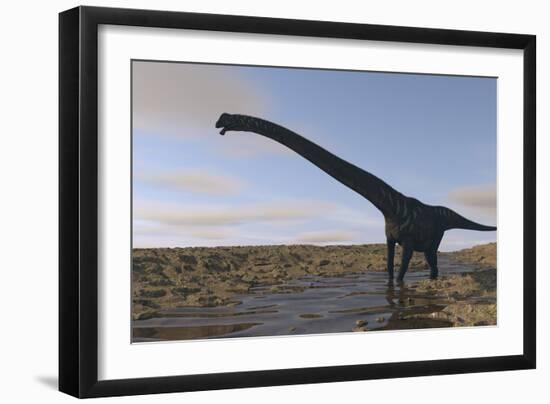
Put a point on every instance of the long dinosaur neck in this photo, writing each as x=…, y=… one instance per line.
x=369, y=186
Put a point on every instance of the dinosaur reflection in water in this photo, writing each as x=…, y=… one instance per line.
x=412, y=311
x=410, y=223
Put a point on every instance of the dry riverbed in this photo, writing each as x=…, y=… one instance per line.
x=165, y=279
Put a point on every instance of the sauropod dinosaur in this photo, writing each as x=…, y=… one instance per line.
x=410, y=223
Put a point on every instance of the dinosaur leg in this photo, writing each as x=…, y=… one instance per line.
x=405, y=258
x=391, y=254
x=431, y=257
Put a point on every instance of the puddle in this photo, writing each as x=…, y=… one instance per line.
x=194, y=332
x=311, y=305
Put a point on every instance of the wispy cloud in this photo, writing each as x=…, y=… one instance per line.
x=196, y=181
x=175, y=232
x=227, y=215
x=326, y=237
x=481, y=198
x=158, y=223
x=180, y=99
x=213, y=234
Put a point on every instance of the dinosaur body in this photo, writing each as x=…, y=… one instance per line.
x=410, y=223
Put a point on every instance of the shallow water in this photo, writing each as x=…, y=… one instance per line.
x=310, y=305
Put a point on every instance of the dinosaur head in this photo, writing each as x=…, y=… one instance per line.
x=228, y=122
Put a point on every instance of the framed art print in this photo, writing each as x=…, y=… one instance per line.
x=250, y=201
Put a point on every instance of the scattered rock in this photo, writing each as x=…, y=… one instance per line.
x=154, y=293
x=484, y=256
x=184, y=291
x=145, y=315
x=310, y=315
x=188, y=259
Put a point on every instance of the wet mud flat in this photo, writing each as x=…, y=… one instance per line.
x=465, y=295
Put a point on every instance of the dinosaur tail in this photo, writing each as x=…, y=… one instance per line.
x=453, y=220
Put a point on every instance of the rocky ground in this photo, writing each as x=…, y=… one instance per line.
x=206, y=277
x=471, y=296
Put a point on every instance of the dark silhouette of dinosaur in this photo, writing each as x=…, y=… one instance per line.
x=410, y=223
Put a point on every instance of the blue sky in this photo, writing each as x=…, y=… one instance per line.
x=431, y=137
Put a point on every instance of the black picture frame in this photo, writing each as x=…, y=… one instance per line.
x=78, y=201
